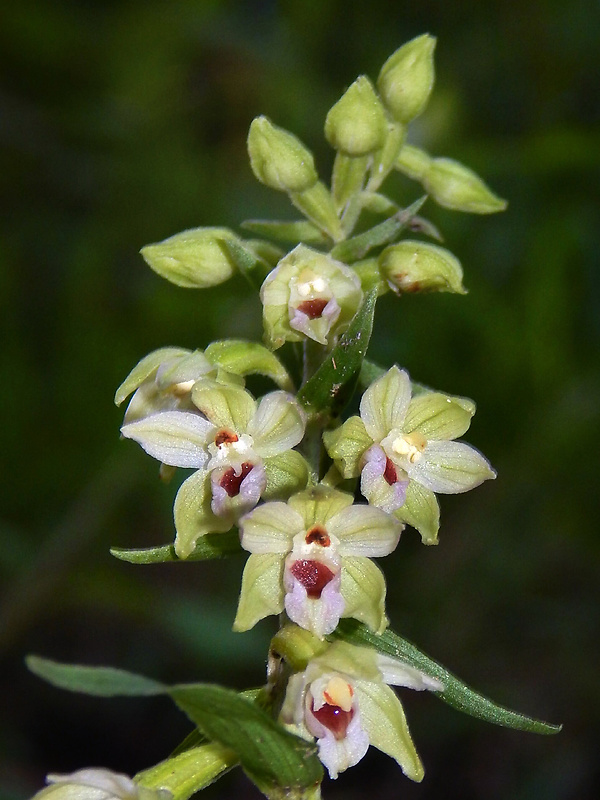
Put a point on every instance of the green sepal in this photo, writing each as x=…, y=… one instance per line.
x=144, y=368
x=298, y=232
x=346, y=445
x=277, y=761
x=193, y=515
x=406, y=79
x=287, y=473
x=326, y=389
x=421, y=510
x=439, y=416
x=455, y=692
x=358, y=246
x=356, y=124
x=252, y=266
x=278, y=158
x=248, y=358
x=363, y=590
x=186, y=773
x=208, y=547
x=224, y=405
x=261, y=594
x=458, y=188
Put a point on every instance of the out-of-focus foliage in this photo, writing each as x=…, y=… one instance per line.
x=123, y=123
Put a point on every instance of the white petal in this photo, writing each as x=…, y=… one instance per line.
x=364, y=531
x=383, y=406
x=396, y=673
x=339, y=754
x=270, y=528
x=278, y=424
x=450, y=468
x=177, y=438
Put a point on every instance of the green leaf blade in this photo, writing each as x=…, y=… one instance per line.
x=96, y=681
x=208, y=547
x=455, y=692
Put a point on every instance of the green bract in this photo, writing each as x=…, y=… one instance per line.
x=194, y=259
x=308, y=295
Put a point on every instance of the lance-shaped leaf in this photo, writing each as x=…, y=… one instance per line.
x=455, y=692
x=276, y=760
x=254, y=268
x=210, y=546
x=298, y=232
x=327, y=387
x=248, y=358
x=358, y=246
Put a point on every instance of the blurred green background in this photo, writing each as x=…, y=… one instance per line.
x=124, y=122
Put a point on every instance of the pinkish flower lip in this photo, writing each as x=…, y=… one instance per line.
x=232, y=482
x=313, y=575
x=333, y=718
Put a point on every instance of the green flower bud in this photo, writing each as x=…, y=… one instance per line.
x=412, y=266
x=195, y=259
x=356, y=124
x=279, y=159
x=413, y=161
x=406, y=78
x=455, y=186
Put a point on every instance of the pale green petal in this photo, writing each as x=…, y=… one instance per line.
x=193, y=515
x=144, y=369
x=190, y=367
x=248, y=358
x=421, y=510
x=450, y=468
x=270, y=528
x=286, y=473
x=382, y=717
x=439, y=416
x=262, y=590
x=225, y=406
x=177, y=438
x=356, y=662
x=346, y=445
x=383, y=406
x=319, y=503
x=70, y=791
x=363, y=590
x=364, y=531
x=278, y=424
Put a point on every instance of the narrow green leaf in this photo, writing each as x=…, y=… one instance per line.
x=273, y=758
x=298, y=232
x=358, y=246
x=455, y=693
x=98, y=681
x=213, y=545
x=253, y=268
x=338, y=372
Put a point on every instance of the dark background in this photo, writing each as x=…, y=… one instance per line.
x=125, y=122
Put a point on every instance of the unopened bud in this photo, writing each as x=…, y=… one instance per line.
x=356, y=125
x=412, y=266
x=194, y=259
x=406, y=78
x=413, y=161
x=455, y=186
x=279, y=159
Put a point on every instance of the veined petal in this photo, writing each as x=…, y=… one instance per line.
x=177, y=438
x=383, y=406
x=397, y=673
x=363, y=590
x=189, y=367
x=193, y=515
x=364, y=531
x=144, y=369
x=278, y=424
x=262, y=590
x=270, y=528
x=439, y=416
x=450, y=468
x=226, y=406
x=383, y=719
x=347, y=444
x=421, y=510
x=319, y=503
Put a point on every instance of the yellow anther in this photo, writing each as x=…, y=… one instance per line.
x=182, y=388
x=339, y=693
x=411, y=446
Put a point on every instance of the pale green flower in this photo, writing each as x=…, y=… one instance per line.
x=311, y=557
x=404, y=450
x=343, y=699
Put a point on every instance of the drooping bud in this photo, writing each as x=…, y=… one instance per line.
x=406, y=78
x=195, y=259
x=412, y=266
x=279, y=159
x=356, y=124
x=457, y=187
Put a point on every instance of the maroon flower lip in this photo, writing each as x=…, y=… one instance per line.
x=313, y=575
x=232, y=482
x=333, y=718
x=312, y=308
x=390, y=474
